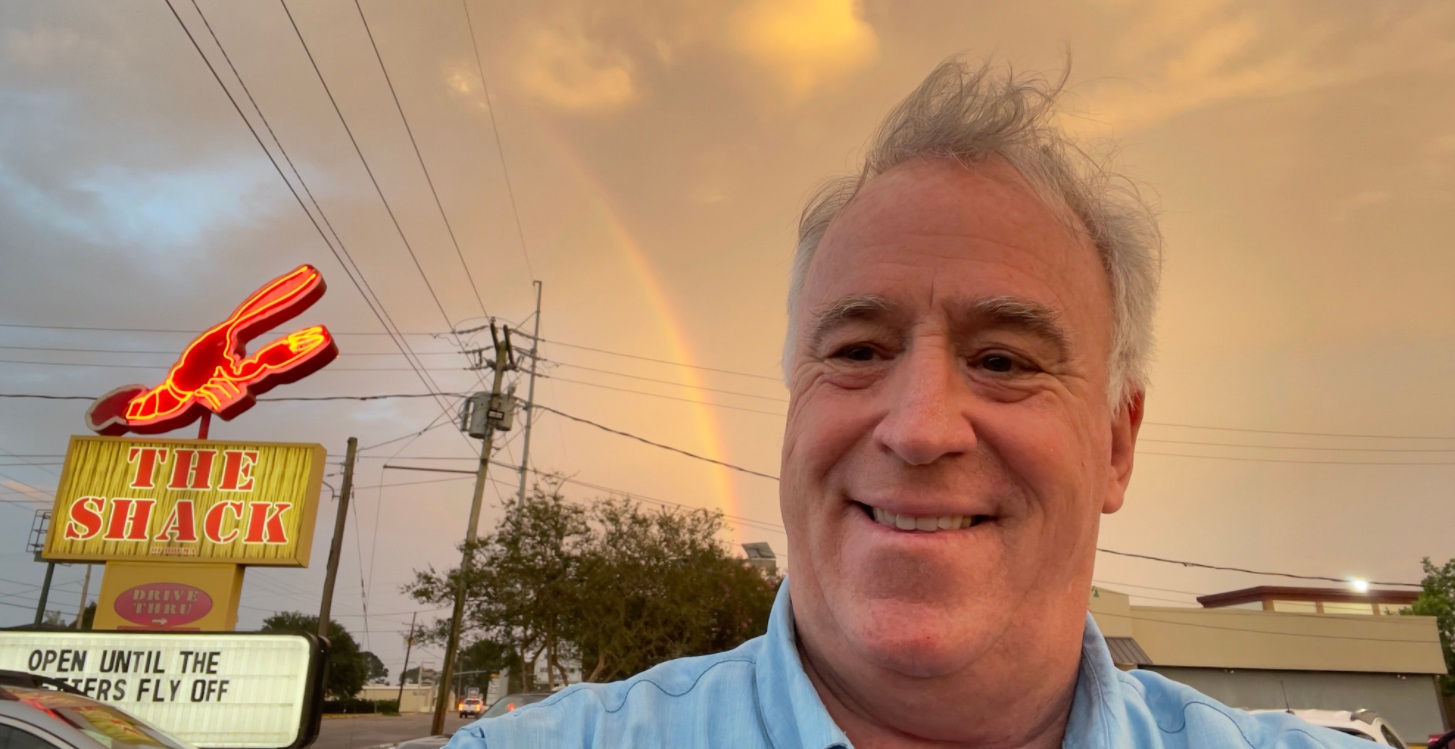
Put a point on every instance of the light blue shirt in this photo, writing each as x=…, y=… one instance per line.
x=757, y=696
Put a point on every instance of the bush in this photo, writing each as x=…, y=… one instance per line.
x=390, y=707
x=351, y=705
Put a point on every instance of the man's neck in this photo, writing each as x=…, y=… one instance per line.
x=973, y=709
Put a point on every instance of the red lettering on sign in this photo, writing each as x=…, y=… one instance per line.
x=146, y=459
x=181, y=524
x=84, y=518
x=212, y=523
x=237, y=470
x=130, y=519
x=265, y=523
x=192, y=469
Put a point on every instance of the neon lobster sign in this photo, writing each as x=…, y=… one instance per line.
x=214, y=375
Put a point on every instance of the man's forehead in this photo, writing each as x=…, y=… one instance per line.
x=939, y=198
x=925, y=213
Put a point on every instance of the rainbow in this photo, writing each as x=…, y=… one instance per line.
x=654, y=292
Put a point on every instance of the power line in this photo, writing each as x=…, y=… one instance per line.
x=265, y=399
x=644, y=440
x=1306, y=462
x=183, y=331
x=173, y=352
x=669, y=382
x=1303, y=447
x=1200, y=565
x=430, y=383
x=415, y=483
x=1301, y=434
x=427, y=178
x=339, y=253
x=1248, y=631
x=662, y=361
x=367, y=169
x=499, y=149
x=109, y=365
x=659, y=395
x=435, y=424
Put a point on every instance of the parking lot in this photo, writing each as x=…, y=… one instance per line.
x=373, y=730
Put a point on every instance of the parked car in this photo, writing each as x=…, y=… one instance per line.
x=427, y=742
x=471, y=707
x=512, y=701
x=38, y=712
x=1366, y=724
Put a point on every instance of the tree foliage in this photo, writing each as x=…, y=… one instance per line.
x=1437, y=599
x=375, y=672
x=346, y=669
x=619, y=587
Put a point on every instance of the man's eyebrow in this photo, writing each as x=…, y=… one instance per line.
x=1019, y=314
x=827, y=317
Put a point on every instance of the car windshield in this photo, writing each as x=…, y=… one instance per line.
x=110, y=727
x=512, y=701
x=1360, y=734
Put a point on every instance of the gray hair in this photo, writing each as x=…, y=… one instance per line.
x=971, y=115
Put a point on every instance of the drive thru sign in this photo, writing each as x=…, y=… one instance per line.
x=247, y=691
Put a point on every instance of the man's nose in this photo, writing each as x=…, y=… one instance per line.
x=928, y=408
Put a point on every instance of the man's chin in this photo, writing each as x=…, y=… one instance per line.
x=917, y=640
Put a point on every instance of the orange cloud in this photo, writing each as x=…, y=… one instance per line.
x=804, y=43
x=568, y=69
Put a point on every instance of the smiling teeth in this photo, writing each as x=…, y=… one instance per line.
x=923, y=524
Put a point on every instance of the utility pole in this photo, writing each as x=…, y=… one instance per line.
x=530, y=400
x=85, y=593
x=39, y=527
x=482, y=415
x=335, y=549
x=408, y=646
x=45, y=591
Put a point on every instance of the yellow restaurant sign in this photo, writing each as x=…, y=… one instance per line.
x=248, y=503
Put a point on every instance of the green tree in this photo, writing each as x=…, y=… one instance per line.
x=87, y=617
x=521, y=587
x=485, y=657
x=1437, y=599
x=621, y=588
x=345, y=670
x=375, y=672
x=660, y=585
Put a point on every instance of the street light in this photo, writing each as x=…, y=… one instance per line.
x=1360, y=586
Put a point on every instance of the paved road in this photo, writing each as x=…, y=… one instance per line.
x=356, y=733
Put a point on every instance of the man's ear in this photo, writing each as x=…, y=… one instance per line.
x=1124, y=427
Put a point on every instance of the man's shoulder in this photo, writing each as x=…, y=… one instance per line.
x=1180, y=717
x=678, y=703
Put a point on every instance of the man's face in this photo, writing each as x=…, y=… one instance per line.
x=950, y=372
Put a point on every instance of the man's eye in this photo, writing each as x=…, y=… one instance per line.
x=1000, y=364
x=860, y=353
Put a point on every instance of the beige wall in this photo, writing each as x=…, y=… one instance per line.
x=1112, y=612
x=417, y=699
x=1224, y=638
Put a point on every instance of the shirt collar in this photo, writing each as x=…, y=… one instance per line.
x=1098, y=713
x=794, y=716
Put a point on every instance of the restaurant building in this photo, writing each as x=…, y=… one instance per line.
x=1277, y=648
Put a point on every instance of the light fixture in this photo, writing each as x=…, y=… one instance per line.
x=1360, y=586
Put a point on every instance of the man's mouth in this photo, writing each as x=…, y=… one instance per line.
x=924, y=523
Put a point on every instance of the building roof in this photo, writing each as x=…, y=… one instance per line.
x=1126, y=652
x=1293, y=593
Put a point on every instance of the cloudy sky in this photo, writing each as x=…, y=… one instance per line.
x=646, y=161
